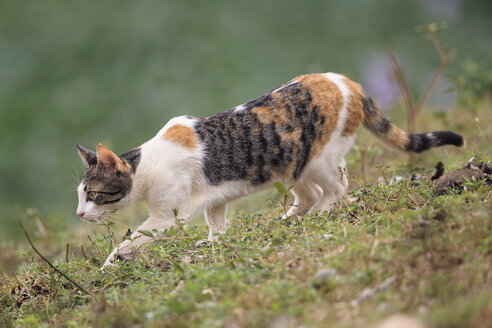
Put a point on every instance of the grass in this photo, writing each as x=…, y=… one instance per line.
x=391, y=246
x=437, y=250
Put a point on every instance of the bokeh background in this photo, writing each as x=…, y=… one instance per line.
x=117, y=71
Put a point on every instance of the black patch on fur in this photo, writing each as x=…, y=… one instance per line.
x=368, y=106
x=89, y=156
x=383, y=126
x=132, y=157
x=424, y=141
x=239, y=147
x=379, y=125
x=418, y=143
x=447, y=138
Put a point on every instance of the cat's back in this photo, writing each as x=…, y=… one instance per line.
x=275, y=135
x=278, y=133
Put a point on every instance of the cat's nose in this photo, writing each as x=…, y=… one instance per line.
x=81, y=214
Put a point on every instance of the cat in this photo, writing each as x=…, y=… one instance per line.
x=297, y=134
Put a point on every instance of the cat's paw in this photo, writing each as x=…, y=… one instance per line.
x=110, y=259
x=117, y=254
x=108, y=263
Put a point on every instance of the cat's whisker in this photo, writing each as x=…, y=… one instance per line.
x=89, y=229
x=76, y=177
x=120, y=216
x=112, y=221
x=85, y=228
x=123, y=213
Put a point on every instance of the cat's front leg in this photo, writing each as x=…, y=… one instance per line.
x=215, y=216
x=137, y=242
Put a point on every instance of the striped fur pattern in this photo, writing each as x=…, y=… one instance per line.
x=395, y=137
x=297, y=134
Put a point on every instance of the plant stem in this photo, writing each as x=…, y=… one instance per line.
x=82, y=289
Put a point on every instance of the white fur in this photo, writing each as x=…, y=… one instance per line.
x=170, y=176
x=239, y=108
x=285, y=85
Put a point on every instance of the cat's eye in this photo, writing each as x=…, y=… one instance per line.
x=91, y=195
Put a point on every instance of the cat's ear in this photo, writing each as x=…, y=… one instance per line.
x=87, y=156
x=107, y=159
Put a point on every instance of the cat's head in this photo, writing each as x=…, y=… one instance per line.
x=106, y=184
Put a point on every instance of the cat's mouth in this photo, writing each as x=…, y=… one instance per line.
x=96, y=218
x=92, y=219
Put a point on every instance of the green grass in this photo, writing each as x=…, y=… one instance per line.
x=438, y=250
x=410, y=250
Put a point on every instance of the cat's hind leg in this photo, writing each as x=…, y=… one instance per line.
x=215, y=216
x=334, y=184
x=305, y=193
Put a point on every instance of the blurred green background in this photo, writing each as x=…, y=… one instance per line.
x=117, y=71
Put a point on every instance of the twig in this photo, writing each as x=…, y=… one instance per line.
x=40, y=226
x=412, y=110
x=83, y=252
x=401, y=80
x=112, y=282
x=66, y=253
x=369, y=292
x=363, y=164
x=97, y=248
x=437, y=75
x=82, y=289
x=438, y=46
x=156, y=240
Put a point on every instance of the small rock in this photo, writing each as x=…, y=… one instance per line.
x=473, y=169
x=400, y=321
x=324, y=274
x=283, y=321
x=385, y=307
x=325, y=279
x=416, y=177
x=454, y=180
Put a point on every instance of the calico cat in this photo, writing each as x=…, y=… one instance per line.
x=297, y=134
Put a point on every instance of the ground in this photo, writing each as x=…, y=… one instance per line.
x=392, y=246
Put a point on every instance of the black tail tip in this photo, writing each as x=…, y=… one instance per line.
x=448, y=138
x=423, y=141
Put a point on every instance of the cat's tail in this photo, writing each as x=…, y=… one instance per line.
x=393, y=136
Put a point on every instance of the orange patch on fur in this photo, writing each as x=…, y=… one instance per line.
x=396, y=137
x=265, y=114
x=107, y=158
x=279, y=114
x=328, y=97
x=182, y=135
x=355, y=112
